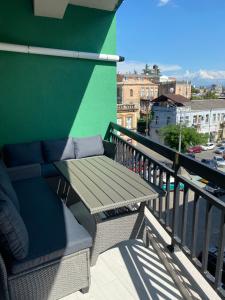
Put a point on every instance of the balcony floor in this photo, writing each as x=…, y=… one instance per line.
x=131, y=271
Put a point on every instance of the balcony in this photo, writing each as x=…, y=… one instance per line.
x=55, y=87
x=126, y=108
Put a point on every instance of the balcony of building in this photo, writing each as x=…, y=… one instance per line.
x=127, y=108
x=58, y=66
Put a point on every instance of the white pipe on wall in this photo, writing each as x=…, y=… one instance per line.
x=59, y=52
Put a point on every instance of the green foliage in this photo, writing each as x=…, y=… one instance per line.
x=190, y=137
x=146, y=70
x=207, y=95
x=141, y=125
x=194, y=90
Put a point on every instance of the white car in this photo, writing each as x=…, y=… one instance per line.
x=208, y=146
x=220, y=150
x=219, y=161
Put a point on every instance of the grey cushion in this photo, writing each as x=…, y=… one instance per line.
x=23, y=154
x=6, y=185
x=88, y=146
x=13, y=234
x=53, y=230
x=55, y=150
x=49, y=170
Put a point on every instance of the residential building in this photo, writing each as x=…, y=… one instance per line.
x=172, y=86
x=127, y=115
x=217, y=89
x=131, y=88
x=205, y=115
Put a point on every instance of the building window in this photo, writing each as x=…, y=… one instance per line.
x=214, y=117
x=181, y=119
x=147, y=92
x=195, y=119
x=222, y=117
x=218, y=117
x=131, y=93
x=119, y=121
x=142, y=92
x=186, y=120
x=156, y=120
x=168, y=120
x=207, y=118
x=129, y=122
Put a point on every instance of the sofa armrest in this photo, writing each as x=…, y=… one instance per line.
x=109, y=149
x=24, y=172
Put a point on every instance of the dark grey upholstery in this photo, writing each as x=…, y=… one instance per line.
x=14, y=240
x=49, y=170
x=23, y=154
x=6, y=185
x=24, y=172
x=54, y=230
x=60, y=149
x=88, y=146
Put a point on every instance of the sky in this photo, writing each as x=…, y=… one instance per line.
x=186, y=38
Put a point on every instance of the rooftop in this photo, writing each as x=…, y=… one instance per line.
x=174, y=98
x=207, y=104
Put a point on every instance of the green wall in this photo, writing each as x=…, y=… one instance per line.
x=48, y=97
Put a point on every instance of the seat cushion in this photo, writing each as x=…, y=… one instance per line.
x=88, y=146
x=56, y=150
x=23, y=154
x=53, y=230
x=6, y=185
x=49, y=170
x=14, y=241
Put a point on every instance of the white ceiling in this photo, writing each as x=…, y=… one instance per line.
x=57, y=8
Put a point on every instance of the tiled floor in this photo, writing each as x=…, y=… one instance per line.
x=129, y=271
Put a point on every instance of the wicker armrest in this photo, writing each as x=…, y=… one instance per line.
x=24, y=172
x=110, y=149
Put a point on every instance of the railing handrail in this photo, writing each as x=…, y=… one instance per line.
x=177, y=213
x=179, y=159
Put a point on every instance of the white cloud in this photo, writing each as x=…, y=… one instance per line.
x=163, y=2
x=130, y=66
x=204, y=74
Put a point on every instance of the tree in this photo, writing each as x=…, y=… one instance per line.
x=146, y=70
x=190, y=137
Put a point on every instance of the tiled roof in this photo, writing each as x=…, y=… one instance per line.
x=177, y=99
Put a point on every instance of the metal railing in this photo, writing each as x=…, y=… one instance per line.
x=126, y=107
x=188, y=213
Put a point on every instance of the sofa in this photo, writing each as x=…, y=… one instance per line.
x=48, y=151
x=44, y=251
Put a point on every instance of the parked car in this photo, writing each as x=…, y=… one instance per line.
x=212, y=259
x=219, y=161
x=208, y=146
x=194, y=149
x=212, y=188
x=220, y=150
x=181, y=185
x=209, y=162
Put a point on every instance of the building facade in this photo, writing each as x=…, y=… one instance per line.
x=131, y=88
x=171, y=86
x=127, y=115
x=52, y=106
x=207, y=116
